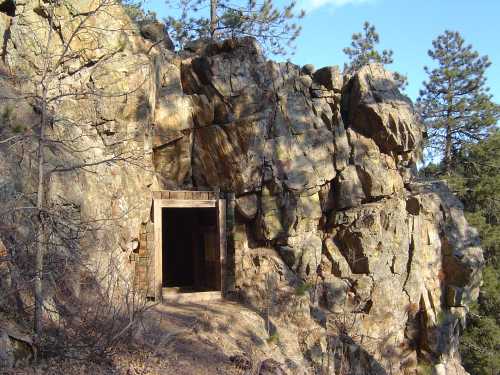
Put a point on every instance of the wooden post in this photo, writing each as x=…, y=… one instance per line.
x=221, y=225
x=230, y=248
x=158, y=257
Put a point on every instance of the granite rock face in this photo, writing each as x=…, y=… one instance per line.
x=329, y=218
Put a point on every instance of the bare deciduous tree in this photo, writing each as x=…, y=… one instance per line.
x=60, y=70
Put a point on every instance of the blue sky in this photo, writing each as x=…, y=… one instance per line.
x=405, y=26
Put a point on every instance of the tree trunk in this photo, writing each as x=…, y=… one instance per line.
x=448, y=140
x=41, y=237
x=40, y=196
x=213, y=18
x=448, y=150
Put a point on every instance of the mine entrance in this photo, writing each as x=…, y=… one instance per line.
x=190, y=245
x=191, y=259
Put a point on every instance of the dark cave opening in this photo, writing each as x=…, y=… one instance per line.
x=8, y=7
x=191, y=255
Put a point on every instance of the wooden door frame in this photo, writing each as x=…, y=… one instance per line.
x=195, y=200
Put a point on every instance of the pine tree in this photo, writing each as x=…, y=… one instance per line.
x=475, y=179
x=455, y=104
x=275, y=28
x=362, y=51
x=135, y=10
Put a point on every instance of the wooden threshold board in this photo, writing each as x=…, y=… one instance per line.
x=171, y=295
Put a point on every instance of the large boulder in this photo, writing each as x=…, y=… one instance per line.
x=330, y=77
x=16, y=345
x=157, y=33
x=376, y=108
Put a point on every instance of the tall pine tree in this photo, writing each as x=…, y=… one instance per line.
x=363, y=52
x=455, y=103
x=135, y=10
x=274, y=26
x=475, y=180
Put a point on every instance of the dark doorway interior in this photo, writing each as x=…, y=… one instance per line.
x=191, y=255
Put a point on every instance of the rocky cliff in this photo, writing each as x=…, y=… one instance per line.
x=371, y=266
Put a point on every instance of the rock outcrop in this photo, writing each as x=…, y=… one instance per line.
x=367, y=262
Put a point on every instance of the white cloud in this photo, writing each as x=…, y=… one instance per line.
x=311, y=5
